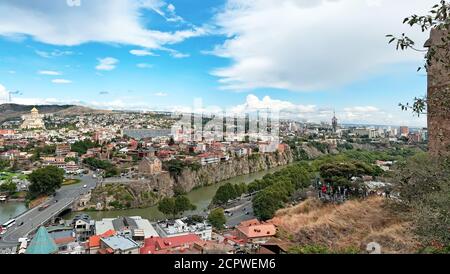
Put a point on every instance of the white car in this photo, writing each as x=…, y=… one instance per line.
x=85, y=186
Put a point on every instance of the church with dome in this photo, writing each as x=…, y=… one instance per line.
x=34, y=120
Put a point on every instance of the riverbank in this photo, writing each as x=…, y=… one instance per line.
x=201, y=197
x=145, y=192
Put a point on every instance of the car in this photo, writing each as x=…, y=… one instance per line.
x=21, y=224
x=44, y=207
x=85, y=186
x=247, y=213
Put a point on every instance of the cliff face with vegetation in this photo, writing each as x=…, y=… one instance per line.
x=144, y=193
x=208, y=175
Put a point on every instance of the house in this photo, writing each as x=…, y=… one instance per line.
x=62, y=236
x=274, y=246
x=209, y=158
x=84, y=227
x=184, y=226
x=130, y=226
x=210, y=247
x=93, y=244
x=158, y=245
x=118, y=245
x=254, y=231
x=150, y=166
x=62, y=149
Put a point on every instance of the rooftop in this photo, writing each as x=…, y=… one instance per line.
x=42, y=243
x=120, y=243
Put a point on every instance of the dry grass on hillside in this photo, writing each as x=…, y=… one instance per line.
x=353, y=224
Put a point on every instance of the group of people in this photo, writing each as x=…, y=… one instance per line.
x=340, y=194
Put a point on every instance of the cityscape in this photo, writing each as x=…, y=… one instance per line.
x=222, y=128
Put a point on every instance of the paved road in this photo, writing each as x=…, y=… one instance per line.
x=242, y=211
x=34, y=218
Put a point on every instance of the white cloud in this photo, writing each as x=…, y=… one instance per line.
x=161, y=94
x=179, y=55
x=55, y=23
x=49, y=72
x=3, y=94
x=142, y=52
x=53, y=53
x=171, y=8
x=61, y=81
x=254, y=103
x=366, y=109
x=144, y=65
x=303, y=45
x=107, y=63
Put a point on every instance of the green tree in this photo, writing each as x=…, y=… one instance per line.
x=81, y=147
x=437, y=19
x=182, y=204
x=9, y=187
x=167, y=206
x=111, y=171
x=224, y=194
x=175, y=206
x=217, y=218
x=45, y=181
x=4, y=164
x=423, y=182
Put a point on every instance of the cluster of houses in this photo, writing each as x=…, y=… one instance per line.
x=135, y=235
x=140, y=154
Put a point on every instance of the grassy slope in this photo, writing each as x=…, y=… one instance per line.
x=353, y=224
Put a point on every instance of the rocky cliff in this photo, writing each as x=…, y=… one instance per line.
x=145, y=192
x=212, y=174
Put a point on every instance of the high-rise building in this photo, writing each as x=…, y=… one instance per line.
x=334, y=122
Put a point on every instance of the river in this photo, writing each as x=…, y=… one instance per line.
x=201, y=197
x=10, y=210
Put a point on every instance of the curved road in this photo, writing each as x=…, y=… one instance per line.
x=33, y=218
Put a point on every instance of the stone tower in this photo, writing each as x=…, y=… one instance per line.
x=438, y=97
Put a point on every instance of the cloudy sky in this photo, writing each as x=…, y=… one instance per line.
x=304, y=57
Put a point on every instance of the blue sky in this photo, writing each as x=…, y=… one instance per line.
x=162, y=54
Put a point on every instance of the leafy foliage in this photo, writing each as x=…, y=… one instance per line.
x=4, y=164
x=9, y=187
x=217, y=218
x=175, y=206
x=276, y=189
x=229, y=192
x=81, y=147
x=438, y=19
x=45, y=181
x=108, y=167
x=424, y=186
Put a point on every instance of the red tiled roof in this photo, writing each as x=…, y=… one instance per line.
x=258, y=231
x=250, y=222
x=65, y=240
x=159, y=245
x=94, y=241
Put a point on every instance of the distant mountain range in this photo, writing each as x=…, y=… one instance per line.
x=14, y=111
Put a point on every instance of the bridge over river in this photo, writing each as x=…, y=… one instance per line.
x=31, y=220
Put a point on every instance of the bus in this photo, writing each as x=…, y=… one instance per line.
x=9, y=224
